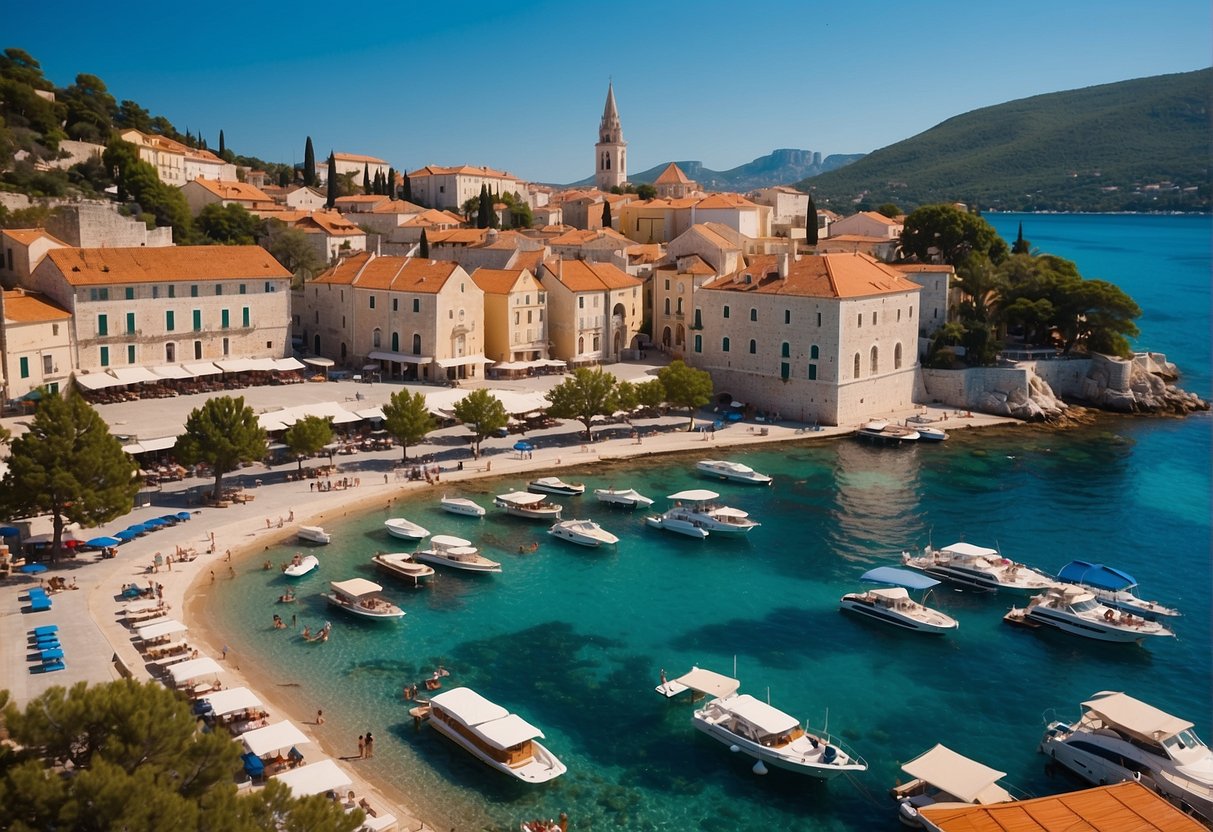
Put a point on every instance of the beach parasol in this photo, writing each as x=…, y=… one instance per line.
x=183, y=515
x=154, y=523
x=33, y=568
x=138, y=528
x=103, y=542
x=9, y=531
x=126, y=535
x=170, y=519
x=523, y=446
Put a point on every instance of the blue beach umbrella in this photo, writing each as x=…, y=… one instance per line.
x=523, y=446
x=154, y=523
x=103, y=542
x=182, y=515
x=9, y=531
x=33, y=568
x=126, y=535
x=170, y=519
x=138, y=528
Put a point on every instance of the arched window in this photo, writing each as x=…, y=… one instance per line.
x=376, y=338
x=813, y=353
x=667, y=306
x=680, y=306
x=785, y=351
x=753, y=347
x=581, y=345
x=874, y=362
x=856, y=365
x=416, y=344
x=724, y=344
x=753, y=314
x=395, y=342
x=897, y=356
x=698, y=343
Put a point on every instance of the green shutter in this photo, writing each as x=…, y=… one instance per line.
x=130, y=353
x=130, y=323
x=103, y=325
x=245, y=317
x=197, y=320
x=24, y=367
x=224, y=319
x=169, y=323
x=105, y=356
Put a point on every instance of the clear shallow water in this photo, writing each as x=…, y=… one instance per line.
x=573, y=639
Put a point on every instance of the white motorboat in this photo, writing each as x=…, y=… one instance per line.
x=628, y=497
x=976, y=567
x=405, y=529
x=555, y=485
x=698, y=507
x=927, y=434
x=674, y=524
x=457, y=553
x=362, y=597
x=1120, y=738
x=531, y=506
x=300, y=565
x=583, y=533
x=493, y=735
x=892, y=604
x=759, y=730
x=403, y=565
x=313, y=534
x=732, y=471
x=945, y=779
x=1073, y=609
x=1113, y=588
x=461, y=505
x=879, y=430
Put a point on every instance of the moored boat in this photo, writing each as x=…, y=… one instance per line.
x=364, y=598
x=628, y=497
x=461, y=505
x=300, y=565
x=457, y=553
x=977, y=567
x=698, y=507
x=677, y=525
x=1113, y=588
x=313, y=534
x=555, y=485
x=879, y=430
x=731, y=471
x=1073, y=609
x=403, y=565
x=945, y=779
x=891, y=604
x=405, y=529
x=583, y=533
x=531, y=506
x=493, y=735
x=928, y=434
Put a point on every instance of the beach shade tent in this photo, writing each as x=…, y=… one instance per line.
x=523, y=446
x=169, y=519
x=126, y=535
x=273, y=738
x=187, y=671
x=103, y=542
x=965, y=779
x=182, y=515
x=155, y=523
x=232, y=700
x=138, y=528
x=160, y=629
x=33, y=568
x=319, y=777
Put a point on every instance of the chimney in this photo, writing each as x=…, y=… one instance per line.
x=783, y=266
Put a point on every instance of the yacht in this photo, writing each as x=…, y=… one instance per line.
x=300, y=565
x=926, y=434
x=1075, y=610
x=879, y=430
x=493, y=735
x=698, y=507
x=676, y=525
x=891, y=604
x=1121, y=738
x=405, y=529
x=583, y=533
x=531, y=506
x=732, y=471
x=362, y=597
x=313, y=534
x=976, y=567
x=1113, y=588
x=461, y=505
x=457, y=553
x=945, y=779
x=628, y=497
x=555, y=485
x=403, y=565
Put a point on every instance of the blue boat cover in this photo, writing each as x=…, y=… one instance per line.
x=1096, y=575
x=899, y=577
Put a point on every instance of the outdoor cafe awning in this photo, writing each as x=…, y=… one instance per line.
x=143, y=446
x=171, y=371
x=401, y=357
x=193, y=669
x=317, y=361
x=132, y=375
x=235, y=365
x=284, y=364
x=161, y=629
x=462, y=360
x=316, y=778
x=202, y=368
x=274, y=737
x=230, y=701
x=97, y=381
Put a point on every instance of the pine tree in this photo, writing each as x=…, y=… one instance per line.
x=1021, y=246
x=222, y=145
x=423, y=250
x=810, y=225
x=391, y=183
x=606, y=213
x=407, y=191
x=482, y=211
x=332, y=193
x=366, y=177
x=222, y=433
x=309, y=164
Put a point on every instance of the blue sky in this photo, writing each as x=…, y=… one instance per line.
x=521, y=86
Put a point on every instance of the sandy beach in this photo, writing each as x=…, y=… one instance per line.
x=98, y=645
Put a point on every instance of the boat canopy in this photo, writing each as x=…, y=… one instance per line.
x=695, y=495
x=736, y=467
x=1096, y=575
x=898, y=577
x=522, y=498
x=893, y=593
x=970, y=551
x=469, y=707
x=956, y=774
x=160, y=629
x=355, y=587
x=316, y=778
x=726, y=511
x=703, y=681
x=230, y=701
x=448, y=540
x=508, y=731
x=1136, y=716
x=765, y=718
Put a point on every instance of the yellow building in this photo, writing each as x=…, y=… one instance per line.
x=515, y=319
x=596, y=310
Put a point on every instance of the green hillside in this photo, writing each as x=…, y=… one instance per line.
x=1141, y=145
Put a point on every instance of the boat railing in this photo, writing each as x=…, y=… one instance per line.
x=1187, y=784
x=828, y=739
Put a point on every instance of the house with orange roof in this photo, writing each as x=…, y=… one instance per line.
x=413, y=318
x=602, y=245
x=177, y=163
x=36, y=348
x=596, y=310
x=386, y=216
x=547, y=215
x=868, y=224
x=490, y=249
x=515, y=316
x=449, y=187
x=352, y=163
x=831, y=339
x=21, y=250
x=359, y=203
x=939, y=301
x=661, y=220
x=702, y=252
x=200, y=193
x=674, y=184
x=152, y=306
x=789, y=210
x=583, y=209
x=882, y=248
x=332, y=235
x=430, y=220
x=303, y=198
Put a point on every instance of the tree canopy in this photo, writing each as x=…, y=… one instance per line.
x=944, y=233
x=407, y=419
x=292, y=248
x=309, y=164
x=229, y=225
x=222, y=433
x=585, y=394
x=482, y=413
x=686, y=387
x=308, y=436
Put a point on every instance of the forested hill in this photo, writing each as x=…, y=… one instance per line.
x=1140, y=145
x=779, y=167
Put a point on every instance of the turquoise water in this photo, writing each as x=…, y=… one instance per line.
x=574, y=639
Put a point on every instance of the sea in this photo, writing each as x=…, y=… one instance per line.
x=574, y=640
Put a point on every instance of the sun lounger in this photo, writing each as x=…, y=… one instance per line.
x=46, y=644
x=45, y=629
x=253, y=766
x=51, y=655
x=40, y=605
x=48, y=667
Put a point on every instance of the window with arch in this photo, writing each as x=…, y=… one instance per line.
x=753, y=314
x=897, y=356
x=814, y=353
x=667, y=306
x=785, y=350
x=376, y=338
x=679, y=309
x=698, y=343
x=753, y=347
x=581, y=345
x=724, y=344
x=874, y=364
x=416, y=343
x=856, y=365
x=395, y=342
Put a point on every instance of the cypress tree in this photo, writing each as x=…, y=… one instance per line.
x=309, y=164
x=332, y=194
x=222, y=146
x=810, y=225
x=366, y=177
x=391, y=183
x=482, y=213
x=1021, y=246
x=423, y=250
x=407, y=190
x=606, y=213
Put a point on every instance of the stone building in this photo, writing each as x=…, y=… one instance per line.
x=36, y=347
x=610, y=151
x=595, y=311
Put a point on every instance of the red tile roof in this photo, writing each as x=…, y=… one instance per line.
x=824, y=275
x=497, y=281
x=394, y=274
x=21, y=307
x=584, y=276
x=672, y=175
x=237, y=191
x=109, y=266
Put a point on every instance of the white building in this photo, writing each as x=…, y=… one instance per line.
x=449, y=187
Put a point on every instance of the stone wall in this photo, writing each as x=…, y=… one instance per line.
x=97, y=225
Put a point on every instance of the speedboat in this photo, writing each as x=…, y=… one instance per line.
x=753, y=727
x=313, y=534
x=461, y=505
x=1120, y=738
x=629, y=497
x=879, y=430
x=555, y=485
x=402, y=564
x=926, y=434
x=1075, y=610
x=698, y=507
x=582, y=532
x=405, y=529
x=732, y=471
x=493, y=735
x=892, y=604
x=945, y=779
x=1113, y=588
x=362, y=597
x=531, y=506
x=677, y=525
x=457, y=553
x=976, y=567
x=300, y=565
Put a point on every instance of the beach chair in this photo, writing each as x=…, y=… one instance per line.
x=46, y=644
x=253, y=766
x=295, y=756
x=49, y=667
x=46, y=629
x=40, y=604
x=51, y=655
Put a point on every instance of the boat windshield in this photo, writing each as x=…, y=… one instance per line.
x=1087, y=605
x=1183, y=741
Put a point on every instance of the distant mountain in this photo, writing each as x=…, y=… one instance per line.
x=1140, y=145
x=780, y=167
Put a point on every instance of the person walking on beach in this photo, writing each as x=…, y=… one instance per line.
x=370, y=745
x=361, y=747
x=320, y=717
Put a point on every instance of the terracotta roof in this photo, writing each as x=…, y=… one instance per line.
x=672, y=175
x=584, y=276
x=239, y=191
x=725, y=201
x=578, y=237
x=358, y=157
x=914, y=268
x=465, y=170
x=823, y=275
x=497, y=281
x=394, y=274
x=529, y=260
x=505, y=240
x=360, y=199
x=431, y=217
x=647, y=253
x=166, y=144
x=695, y=265
x=857, y=238
x=881, y=218
x=290, y=216
x=27, y=236
x=456, y=236
x=397, y=206
x=110, y=266
x=331, y=223
x=720, y=236
x=21, y=307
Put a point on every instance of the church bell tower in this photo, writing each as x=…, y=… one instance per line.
x=611, y=160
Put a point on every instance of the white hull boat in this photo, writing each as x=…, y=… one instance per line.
x=300, y=566
x=628, y=497
x=926, y=434
x=363, y=598
x=313, y=534
x=461, y=505
x=731, y=471
x=1120, y=738
x=977, y=567
x=1113, y=588
x=405, y=529
x=1073, y=609
x=882, y=432
x=583, y=533
x=530, y=506
x=457, y=553
x=892, y=604
x=698, y=507
x=672, y=524
x=946, y=780
x=403, y=565
x=555, y=485
x=493, y=735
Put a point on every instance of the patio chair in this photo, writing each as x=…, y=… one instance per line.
x=40, y=605
x=253, y=766
x=55, y=654
x=45, y=629
x=48, y=667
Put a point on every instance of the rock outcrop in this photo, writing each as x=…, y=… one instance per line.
x=1038, y=404
x=1149, y=387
